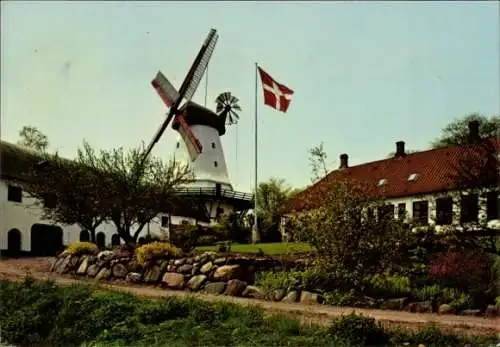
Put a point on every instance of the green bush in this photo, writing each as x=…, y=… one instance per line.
x=359, y=330
x=82, y=248
x=351, y=298
x=206, y=240
x=497, y=300
x=270, y=281
x=390, y=285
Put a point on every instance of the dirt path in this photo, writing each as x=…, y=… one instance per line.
x=16, y=269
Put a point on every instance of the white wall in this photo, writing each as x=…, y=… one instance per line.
x=22, y=216
x=204, y=169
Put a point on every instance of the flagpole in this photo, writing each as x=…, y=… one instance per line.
x=255, y=230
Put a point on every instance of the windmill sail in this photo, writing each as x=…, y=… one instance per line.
x=193, y=145
x=165, y=89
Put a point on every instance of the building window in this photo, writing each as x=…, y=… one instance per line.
x=164, y=221
x=50, y=200
x=421, y=212
x=14, y=194
x=178, y=144
x=370, y=214
x=386, y=211
x=469, y=208
x=402, y=211
x=213, y=144
x=444, y=211
x=492, y=205
x=215, y=164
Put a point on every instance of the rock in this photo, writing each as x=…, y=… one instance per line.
x=195, y=270
x=195, y=282
x=370, y=302
x=253, y=292
x=197, y=259
x=133, y=277
x=215, y=287
x=119, y=271
x=235, y=287
x=82, y=269
x=227, y=272
x=105, y=255
x=291, y=297
x=171, y=268
x=187, y=268
x=471, y=312
x=63, y=264
x=394, y=304
x=309, y=298
x=173, y=280
x=179, y=262
x=278, y=294
x=420, y=307
x=220, y=261
x=446, y=309
x=207, y=267
x=492, y=311
x=152, y=275
x=93, y=270
x=103, y=274
x=189, y=261
x=53, y=263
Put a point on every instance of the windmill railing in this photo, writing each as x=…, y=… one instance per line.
x=224, y=193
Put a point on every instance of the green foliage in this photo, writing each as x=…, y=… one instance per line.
x=351, y=298
x=42, y=314
x=270, y=281
x=359, y=330
x=32, y=138
x=497, y=301
x=156, y=250
x=82, y=248
x=391, y=285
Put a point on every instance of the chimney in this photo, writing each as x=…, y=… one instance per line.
x=344, y=161
x=474, y=131
x=400, y=149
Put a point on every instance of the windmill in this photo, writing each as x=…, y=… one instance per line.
x=227, y=105
x=173, y=98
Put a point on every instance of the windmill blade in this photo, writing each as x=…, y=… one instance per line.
x=158, y=134
x=165, y=89
x=198, y=68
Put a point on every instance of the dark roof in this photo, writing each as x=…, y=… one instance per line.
x=436, y=170
x=195, y=114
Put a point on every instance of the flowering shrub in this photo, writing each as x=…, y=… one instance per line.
x=155, y=250
x=82, y=248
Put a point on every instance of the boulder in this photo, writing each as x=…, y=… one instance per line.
x=195, y=282
x=63, y=264
x=394, y=304
x=278, y=294
x=93, y=270
x=420, y=307
x=173, y=280
x=187, y=268
x=220, y=261
x=179, y=262
x=195, y=270
x=152, y=275
x=253, y=292
x=206, y=268
x=309, y=298
x=446, y=309
x=133, y=277
x=53, y=263
x=235, y=287
x=105, y=255
x=215, y=288
x=82, y=269
x=103, y=274
x=171, y=268
x=119, y=271
x=227, y=272
x=291, y=297
x=492, y=311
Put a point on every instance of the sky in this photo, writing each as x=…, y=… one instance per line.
x=365, y=74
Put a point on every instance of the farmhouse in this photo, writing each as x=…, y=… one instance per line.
x=455, y=185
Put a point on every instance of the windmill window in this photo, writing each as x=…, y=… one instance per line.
x=213, y=144
x=412, y=177
x=382, y=182
x=178, y=144
x=50, y=200
x=215, y=164
x=164, y=221
x=14, y=194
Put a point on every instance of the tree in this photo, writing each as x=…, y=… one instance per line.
x=271, y=196
x=31, y=137
x=66, y=192
x=457, y=132
x=134, y=193
x=350, y=244
x=317, y=160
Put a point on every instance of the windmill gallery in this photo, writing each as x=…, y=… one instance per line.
x=199, y=146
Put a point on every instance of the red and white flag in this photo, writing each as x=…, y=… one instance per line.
x=276, y=95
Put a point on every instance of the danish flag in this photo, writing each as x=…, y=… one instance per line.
x=276, y=95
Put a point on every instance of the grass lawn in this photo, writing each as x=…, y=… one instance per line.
x=267, y=248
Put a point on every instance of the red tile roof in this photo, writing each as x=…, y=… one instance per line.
x=437, y=170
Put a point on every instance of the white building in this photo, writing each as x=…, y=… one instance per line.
x=431, y=187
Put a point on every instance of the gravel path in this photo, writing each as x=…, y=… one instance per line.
x=16, y=269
